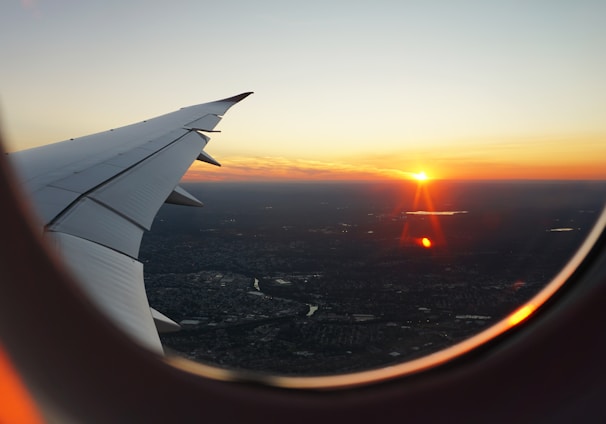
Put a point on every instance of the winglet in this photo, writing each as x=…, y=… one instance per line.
x=237, y=98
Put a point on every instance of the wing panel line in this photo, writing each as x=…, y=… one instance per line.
x=120, y=173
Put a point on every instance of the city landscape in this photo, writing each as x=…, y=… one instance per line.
x=324, y=278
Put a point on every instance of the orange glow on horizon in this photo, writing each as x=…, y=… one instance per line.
x=267, y=168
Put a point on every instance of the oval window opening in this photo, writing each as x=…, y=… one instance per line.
x=411, y=182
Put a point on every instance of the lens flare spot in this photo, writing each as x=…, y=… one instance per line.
x=521, y=314
x=426, y=243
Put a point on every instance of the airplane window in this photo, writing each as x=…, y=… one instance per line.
x=408, y=183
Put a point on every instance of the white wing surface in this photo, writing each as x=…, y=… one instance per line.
x=95, y=196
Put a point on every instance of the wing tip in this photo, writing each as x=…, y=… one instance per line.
x=237, y=98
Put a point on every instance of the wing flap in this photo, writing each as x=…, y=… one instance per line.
x=138, y=193
x=51, y=201
x=109, y=229
x=114, y=281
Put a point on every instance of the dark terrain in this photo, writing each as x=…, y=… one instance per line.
x=342, y=280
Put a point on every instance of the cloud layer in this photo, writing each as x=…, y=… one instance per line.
x=280, y=168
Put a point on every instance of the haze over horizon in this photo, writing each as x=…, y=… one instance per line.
x=344, y=91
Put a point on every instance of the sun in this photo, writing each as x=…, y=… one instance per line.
x=420, y=176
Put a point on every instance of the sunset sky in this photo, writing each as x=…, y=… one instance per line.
x=343, y=89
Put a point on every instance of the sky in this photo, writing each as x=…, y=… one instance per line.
x=343, y=89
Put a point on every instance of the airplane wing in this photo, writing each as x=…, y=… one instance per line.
x=95, y=196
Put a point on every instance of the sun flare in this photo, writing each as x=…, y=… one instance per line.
x=420, y=176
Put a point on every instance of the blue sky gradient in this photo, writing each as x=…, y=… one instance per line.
x=425, y=82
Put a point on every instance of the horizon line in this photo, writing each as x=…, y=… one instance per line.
x=391, y=180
